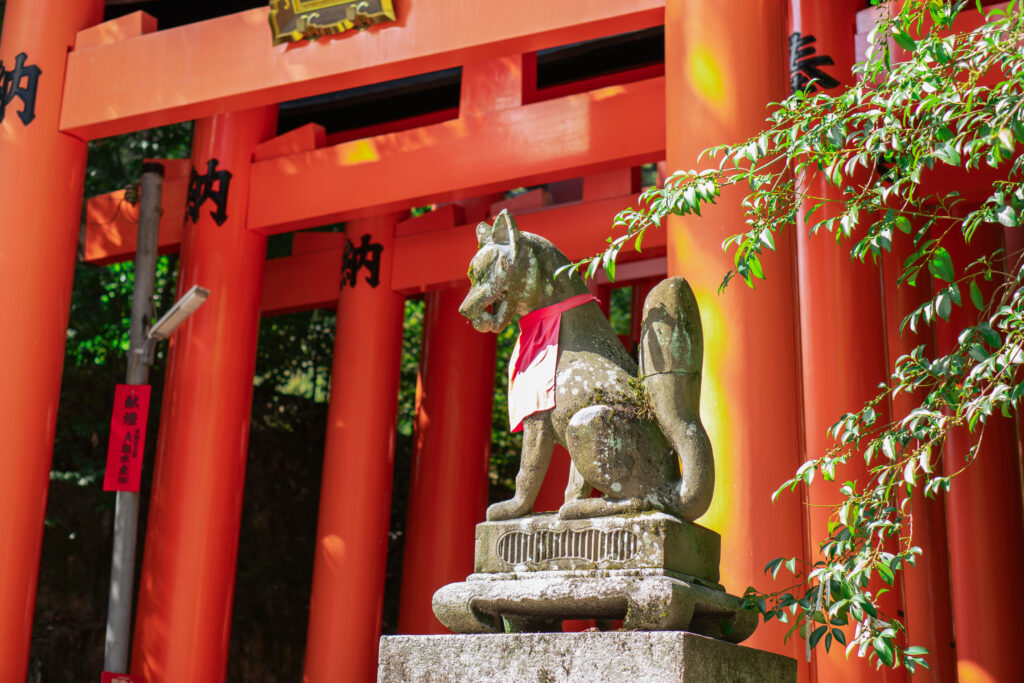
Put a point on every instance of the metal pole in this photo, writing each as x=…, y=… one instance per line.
x=126, y=514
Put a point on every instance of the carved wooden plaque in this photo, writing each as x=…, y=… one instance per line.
x=292, y=20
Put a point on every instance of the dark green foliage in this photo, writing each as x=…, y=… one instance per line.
x=275, y=550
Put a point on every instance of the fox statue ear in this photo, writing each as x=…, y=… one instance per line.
x=504, y=231
x=484, y=234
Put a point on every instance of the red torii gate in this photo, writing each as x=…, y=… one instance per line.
x=723, y=64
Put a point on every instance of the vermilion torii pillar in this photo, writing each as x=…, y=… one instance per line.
x=355, y=494
x=41, y=175
x=984, y=510
x=842, y=328
x=724, y=62
x=926, y=587
x=188, y=570
x=448, y=490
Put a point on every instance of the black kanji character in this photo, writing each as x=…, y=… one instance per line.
x=131, y=402
x=804, y=63
x=200, y=188
x=11, y=87
x=130, y=419
x=366, y=255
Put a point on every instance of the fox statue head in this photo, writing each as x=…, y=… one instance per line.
x=503, y=276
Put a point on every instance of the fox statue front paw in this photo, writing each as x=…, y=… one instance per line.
x=508, y=509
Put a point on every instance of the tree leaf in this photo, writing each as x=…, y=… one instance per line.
x=976, y=297
x=1006, y=216
x=941, y=265
x=904, y=41
x=947, y=154
x=943, y=306
x=817, y=634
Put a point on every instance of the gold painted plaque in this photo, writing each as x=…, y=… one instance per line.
x=292, y=20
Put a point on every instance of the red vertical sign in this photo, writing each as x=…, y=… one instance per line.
x=127, y=437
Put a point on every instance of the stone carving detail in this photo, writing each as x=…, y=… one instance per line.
x=517, y=547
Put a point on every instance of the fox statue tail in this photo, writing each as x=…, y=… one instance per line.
x=671, y=354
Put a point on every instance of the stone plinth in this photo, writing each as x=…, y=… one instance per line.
x=586, y=657
x=492, y=603
x=650, y=540
x=651, y=570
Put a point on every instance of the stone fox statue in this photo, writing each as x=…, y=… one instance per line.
x=636, y=438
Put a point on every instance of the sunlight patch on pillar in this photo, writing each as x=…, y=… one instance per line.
x=705, y=75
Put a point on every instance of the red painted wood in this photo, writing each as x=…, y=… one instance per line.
x=355, y=496
x=448, y=489
x=249, y=71
x=41, y=172
x=750, y=400
x=122, y=28
x=301, y=139
x=549, y=141
x=111, y=223
x=428, y=259
x=491, y=85
x=183, y=621
x=842, y=335
x=926, y=588
x=984, y=512
x=396, y=126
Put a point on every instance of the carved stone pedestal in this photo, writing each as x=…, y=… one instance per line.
x=652, y=657
x=651, y=570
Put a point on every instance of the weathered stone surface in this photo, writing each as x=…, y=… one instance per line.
x=569, y=657
x=546, y=542
x=645, y=600
x=633, y=434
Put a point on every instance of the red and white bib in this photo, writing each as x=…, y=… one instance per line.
x=531, y=370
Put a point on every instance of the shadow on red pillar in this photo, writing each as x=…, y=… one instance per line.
x=984, y=514
x=355, y=494
x=842, y=326
x=188, y=570
x=844, y=359
x=926, y=595
x=723, y=63
x=1013, y=237
x=41, y=175
x=448, y=489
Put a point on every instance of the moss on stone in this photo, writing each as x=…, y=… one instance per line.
x=639, y=399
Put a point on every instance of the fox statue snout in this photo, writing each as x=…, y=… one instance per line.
x=633, y=433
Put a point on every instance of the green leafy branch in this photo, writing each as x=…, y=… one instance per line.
x=955, y=100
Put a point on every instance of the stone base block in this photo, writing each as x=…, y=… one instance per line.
x=542, y=600
x=586, y=657
x=649, y=540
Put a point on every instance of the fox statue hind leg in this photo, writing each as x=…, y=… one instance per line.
x=671, y=355
x=627, y=460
